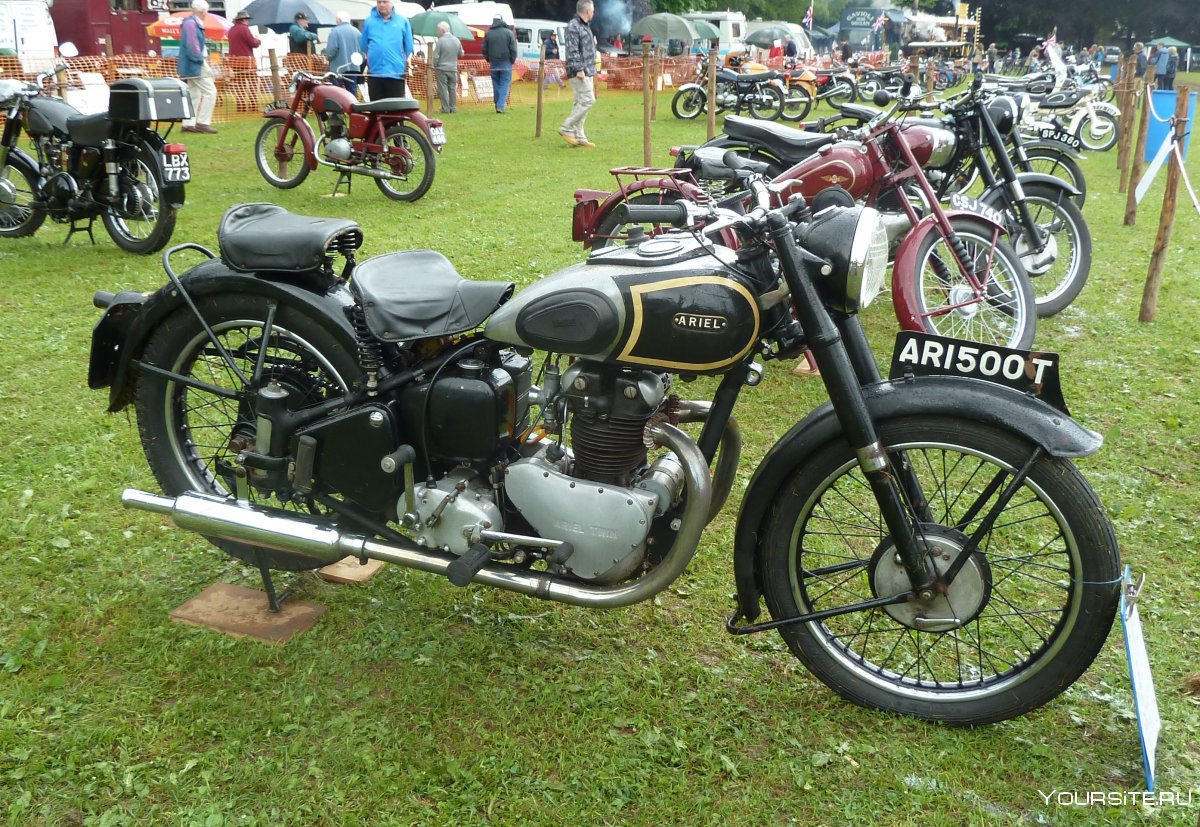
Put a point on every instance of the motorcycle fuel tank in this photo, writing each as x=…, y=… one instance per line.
x=844, y=164
x=670, y=303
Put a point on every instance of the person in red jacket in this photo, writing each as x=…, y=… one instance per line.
x=242, y=41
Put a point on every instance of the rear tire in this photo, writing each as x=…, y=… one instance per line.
x=147, y=221
x=419, y=168
x=797, y=103
x=189, y=435
x=842, y=92
x=766, y=103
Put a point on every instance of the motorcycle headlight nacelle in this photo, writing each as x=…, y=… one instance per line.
x=855, y=243
x=1004, y=112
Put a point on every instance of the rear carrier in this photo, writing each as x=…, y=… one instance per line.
x=141, y=100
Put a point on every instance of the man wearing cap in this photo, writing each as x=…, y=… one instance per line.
x=242, y=41
x=581, y=70
x=299, y=36
x=500, y=51
x=343, y=42
x=193, y=67
x=387, y=41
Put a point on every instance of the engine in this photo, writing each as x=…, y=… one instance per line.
x=336, y=147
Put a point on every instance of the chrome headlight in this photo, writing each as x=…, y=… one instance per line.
x=855, y=242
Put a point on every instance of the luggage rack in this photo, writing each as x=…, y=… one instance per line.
x=627, y=176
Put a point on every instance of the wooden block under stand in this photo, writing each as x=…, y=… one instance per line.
x=349, y=570
x=241, y=612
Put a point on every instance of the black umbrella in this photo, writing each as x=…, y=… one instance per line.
x=279, y=15
x=765, y=38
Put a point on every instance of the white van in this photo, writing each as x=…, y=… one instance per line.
x=478, y=17
x=731, y=24
x=531, y=32
x=27, y=31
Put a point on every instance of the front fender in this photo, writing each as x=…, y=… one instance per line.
x=994, y=196
x=303, y=129
x=1041, y=143
x=972, y=399
x=905, y=299
x=122, y=332
x=22, y=161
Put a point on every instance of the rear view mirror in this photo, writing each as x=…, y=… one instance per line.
x=68, y=49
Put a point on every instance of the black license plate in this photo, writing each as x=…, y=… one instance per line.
x=176, y=168
x=1031, y=372
x=1062, y=136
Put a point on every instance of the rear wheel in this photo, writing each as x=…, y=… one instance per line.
x=688, y=103
x=1000, y=311
x=190, y=435
x=1023, y=619
x=18, y=216
x=140, y=221
x=279, y=154
x=415, y=170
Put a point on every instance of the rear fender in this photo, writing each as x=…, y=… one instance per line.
x=972, y=399
x=668, y=186
x=120, y=336
x=904, y=268
x=422, y=122
x=303, y=129
x=173, y=193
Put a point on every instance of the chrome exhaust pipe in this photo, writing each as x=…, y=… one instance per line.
x=370, y=172
x=280, y=531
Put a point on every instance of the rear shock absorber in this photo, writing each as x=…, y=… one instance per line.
x=370, y=353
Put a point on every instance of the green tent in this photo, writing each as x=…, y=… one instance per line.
x=1168, y=41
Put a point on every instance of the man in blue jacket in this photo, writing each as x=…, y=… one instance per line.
x=193, y=67
x=387, y=41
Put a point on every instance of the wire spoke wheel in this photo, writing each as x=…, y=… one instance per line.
x=1059, y=271
x=408, y=155
x=1022, y=620
x=141, y=221
x=279, y=155
x=18, y=217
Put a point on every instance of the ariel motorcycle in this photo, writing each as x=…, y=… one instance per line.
x=115, y=165
x=924, y=543
x=388, y=140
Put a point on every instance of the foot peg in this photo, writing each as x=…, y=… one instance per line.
x=463, y=569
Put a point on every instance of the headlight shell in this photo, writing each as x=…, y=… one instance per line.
x=855, y=243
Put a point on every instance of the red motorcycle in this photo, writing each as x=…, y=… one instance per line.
x=388, y=140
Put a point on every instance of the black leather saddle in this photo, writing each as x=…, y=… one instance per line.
x=89, y=130
x=784, y=142
x=260, y=237
x=415, y=294
x=387, y=105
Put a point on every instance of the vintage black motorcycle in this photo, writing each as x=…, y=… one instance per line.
x=924, y=544
x=114, y=165
x=761, y=93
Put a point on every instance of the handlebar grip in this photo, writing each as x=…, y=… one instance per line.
x=103, y=299
x=736, y=162
x=674, y=214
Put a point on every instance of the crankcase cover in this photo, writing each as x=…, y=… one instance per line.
x=449, y=511
x=606, y=524
x=670, y=303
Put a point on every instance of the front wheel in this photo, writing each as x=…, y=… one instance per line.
x=191, y=435
x=1098, y=131
x=18, y=216
x=408, y=156
x=1023, y=619
x=765, y=103
x=688, y=103
x=1050, y=161
x=279, y=154
x=140, y=221
x=1059, y=270
x=841, y=92
x=797, y=103
x=997, y=309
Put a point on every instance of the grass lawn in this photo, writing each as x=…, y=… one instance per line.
x=413, y=702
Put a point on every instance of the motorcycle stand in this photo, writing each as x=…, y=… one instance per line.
x=343, y=177
x=273, y=600
x=75, y=228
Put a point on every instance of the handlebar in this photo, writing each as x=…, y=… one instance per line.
x=674, y=214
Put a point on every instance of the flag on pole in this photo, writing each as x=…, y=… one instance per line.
x=879, y=21
x=808, y=16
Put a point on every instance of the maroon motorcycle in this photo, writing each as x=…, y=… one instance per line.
x=389, y=140
x=953, y=275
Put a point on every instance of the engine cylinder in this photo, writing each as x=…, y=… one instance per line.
x=607, y=449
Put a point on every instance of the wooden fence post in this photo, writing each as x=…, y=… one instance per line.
x=1139, y=148
x=276, y=80
x=655, y=80
x=1158, y=257
x=430, y=77
x=541, y=84
x=1126, y=100
x=713, y=57
x=646, y=149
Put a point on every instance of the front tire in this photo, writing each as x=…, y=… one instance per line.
x=1050, y=161
x=190, y=436
x=1058, y=278
x=1030, y=610
x=688, y=103
x=842, y=92
x=1098, y=132
x=949, y=305
x=417, y=170
x=141, y=221
x=18, y=189
x=283, y=165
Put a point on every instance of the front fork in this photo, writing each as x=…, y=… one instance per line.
x=841, y=365
x=1016, y=194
